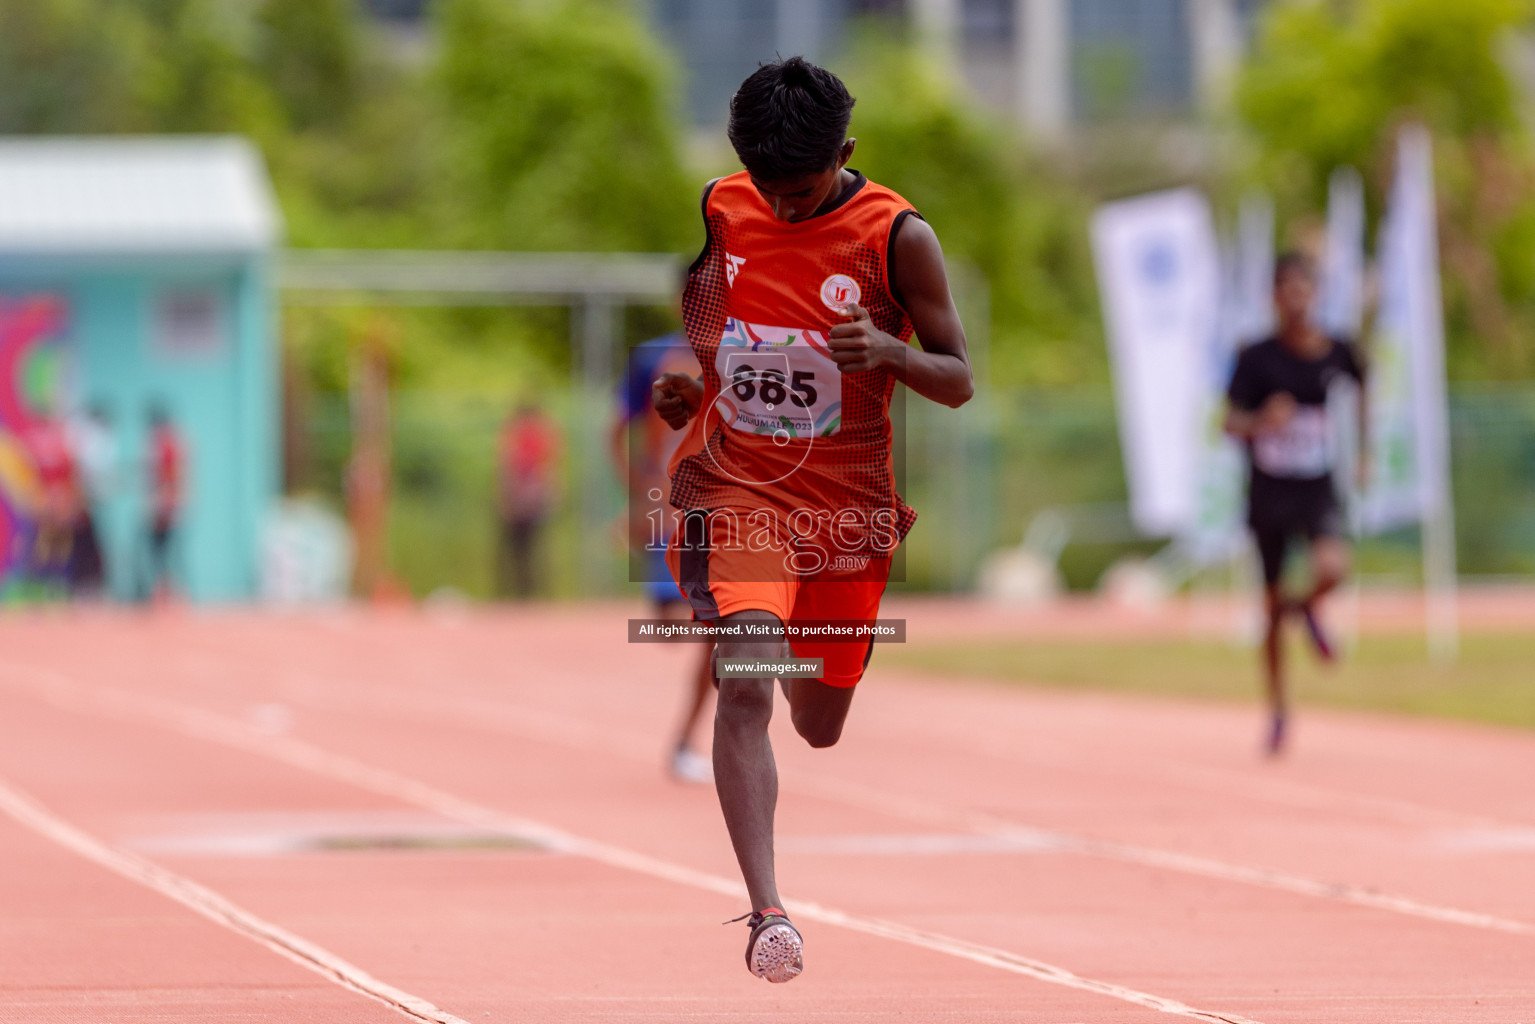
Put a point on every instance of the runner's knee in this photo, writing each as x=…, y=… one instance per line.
x=745, y=701
x=817, y=728
x=1331, y=563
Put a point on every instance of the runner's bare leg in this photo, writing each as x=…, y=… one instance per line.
x=745, y=775
x=1329, y=567
x=1274, y=609
x=703, y=685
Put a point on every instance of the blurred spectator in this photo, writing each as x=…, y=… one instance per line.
x=167, y=496
x=48, y=444
x=94, y=446
x=525, y=496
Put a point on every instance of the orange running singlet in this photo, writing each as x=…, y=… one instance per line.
x=781, y=431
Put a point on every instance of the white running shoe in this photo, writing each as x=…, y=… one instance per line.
x=775, y=951
x=688, y=766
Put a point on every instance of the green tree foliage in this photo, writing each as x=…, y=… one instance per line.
x=308, y=52
x=1329, y=85
x=561, y=130
x=129, y=66
x=996, y=213
x=71, y=66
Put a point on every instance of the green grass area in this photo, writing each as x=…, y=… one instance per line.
x=1493, y=680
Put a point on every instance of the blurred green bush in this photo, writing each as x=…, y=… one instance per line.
x=1329, y=83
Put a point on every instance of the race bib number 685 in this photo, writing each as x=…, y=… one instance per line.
x=778, y=381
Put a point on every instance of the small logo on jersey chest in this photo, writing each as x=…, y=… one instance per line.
x=838, y=290
x=733, y=265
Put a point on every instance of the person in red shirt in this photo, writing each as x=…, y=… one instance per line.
x=530, y=446
x=167, y=498
x=800, y=308
x=47, y=442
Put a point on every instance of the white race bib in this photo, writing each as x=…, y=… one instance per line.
x=780, y=382
x=1301, y=449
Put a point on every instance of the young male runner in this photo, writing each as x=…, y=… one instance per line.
x=811, y=283
x=1279, y=409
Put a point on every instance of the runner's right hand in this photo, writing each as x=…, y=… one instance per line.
x=1276, y=412
x=676, y=397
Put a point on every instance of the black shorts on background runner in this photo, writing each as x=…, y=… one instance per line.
x=1290, y=491
x=1281, y=511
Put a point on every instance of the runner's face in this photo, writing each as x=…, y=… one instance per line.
x=1293, y=294
x=796, y=199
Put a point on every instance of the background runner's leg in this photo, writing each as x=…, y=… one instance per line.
x=703, y=682
x=1329, y=565
x=1273, y=643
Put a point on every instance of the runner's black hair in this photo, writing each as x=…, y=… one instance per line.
x=1296, y=261
x=789, y=119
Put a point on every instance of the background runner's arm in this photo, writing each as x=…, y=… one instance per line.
x=1249, y=412
x=1362, y=468
x=940, y=369
x=1272, y=415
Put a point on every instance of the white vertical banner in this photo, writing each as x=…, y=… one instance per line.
x=1418, y=208
x=1339, y=313
x=1340, y=300
x=1392, y=495
x=1158, y=269
x=1410, y=473
x=1254, y=277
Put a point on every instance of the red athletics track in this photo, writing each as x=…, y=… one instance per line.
x=193, y=810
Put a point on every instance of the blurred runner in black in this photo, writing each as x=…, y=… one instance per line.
x=1279, y=409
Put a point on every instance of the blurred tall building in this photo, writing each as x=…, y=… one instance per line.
x=1055, y=65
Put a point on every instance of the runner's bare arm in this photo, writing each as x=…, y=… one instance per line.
x=676, y=397
x=1272, y=415
x=940, y=369
x=1362, y=468
x=1239, y=423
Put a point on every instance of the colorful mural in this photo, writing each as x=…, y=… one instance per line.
x=31, y=360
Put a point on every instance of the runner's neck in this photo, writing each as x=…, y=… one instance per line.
x=1304, y=341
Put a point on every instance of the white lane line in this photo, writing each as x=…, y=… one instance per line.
x=203, y=725
x=1355, y=894
x=216, y=908
x=868, y=798
x=552, y=727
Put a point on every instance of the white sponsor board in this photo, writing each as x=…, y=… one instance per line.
x=1409, y=417
x=1412, y=317
x=1340, y=300
x=1158, y=270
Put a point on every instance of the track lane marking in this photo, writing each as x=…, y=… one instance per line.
x=868, y=798
x=68, y=694
x=1196, y=776
x=554, y=727
x=27, y=812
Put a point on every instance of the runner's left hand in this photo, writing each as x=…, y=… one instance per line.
x=858, y=346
